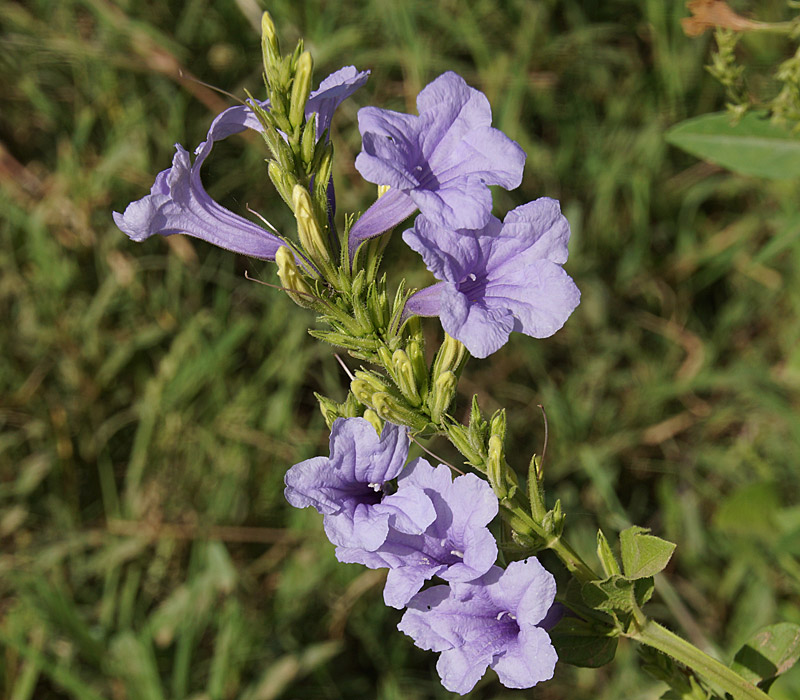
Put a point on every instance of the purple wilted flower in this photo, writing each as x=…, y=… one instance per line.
x=178, y=202
x=502, y=278
x=440, y=161
x=456, y=546
x=347, y=487
x=492, y=621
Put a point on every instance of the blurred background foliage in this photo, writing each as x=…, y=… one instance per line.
x=151, y=398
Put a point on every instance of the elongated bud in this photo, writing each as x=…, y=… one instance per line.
x=307, y=227
x=284, y=182
x=498, y=426
x=607, y=559
x=395, y=411
x=441, y=396
x=309, y=142
x=328, y=408
x=535, y=490
x=374, y=420
x=417, y=356
x=323, y=169
x=404, y=374
x=460, y=438
x=301, y=88
x=363, y=391
x=269, y=41
x=450, y=356
x=376, y=382
x=291, y=279
x=495, y=467
x=386, y=358
x=553, y=522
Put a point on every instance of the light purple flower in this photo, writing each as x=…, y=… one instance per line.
x=440, y=161
x=502, y=278
x=347, y=487
x=457, y=546
x=178, y=202
x=492, y=621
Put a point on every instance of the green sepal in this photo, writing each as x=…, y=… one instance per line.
x=582, y=643
x=459, y=436
x=364, y=345
x=643, y=554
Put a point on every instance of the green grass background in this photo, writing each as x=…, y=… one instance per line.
x=151, y=398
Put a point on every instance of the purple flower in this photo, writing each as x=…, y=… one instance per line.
x=456, y=546
x=347, y=487
x=492, y=621
x=504, y=277
x=440, y=161
x=178, y=202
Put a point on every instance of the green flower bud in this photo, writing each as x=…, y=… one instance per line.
x=385, y=356
x=441, y=396
x=553, y=522
x=308, y=142
x=395, y=411
x=328, y=408
x=496, y=466
x=363, y=391
x=404, y=374
x=291, y=279
x=375, y=381
x=307, y=227
x=364, y=346
x=535, y=491
x=450, y=357
x=301, y=88
x=374, y=420
x=607, y=559
x=498, y=426
x=270, y=46
x=417, y=356
x=460, y=438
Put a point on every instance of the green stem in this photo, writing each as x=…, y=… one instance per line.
x=654, y=635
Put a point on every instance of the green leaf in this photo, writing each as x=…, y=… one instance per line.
x=643, y=590
x=754, y=146
x=643, y=555
x=614, y=593
x=768, y=653
x=582, y=644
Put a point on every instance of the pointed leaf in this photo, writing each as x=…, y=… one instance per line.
x=643, y=555
x=754, y=146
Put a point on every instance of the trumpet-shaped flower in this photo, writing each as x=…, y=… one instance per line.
x=501, y=278
x=347, y=486
x=440, y=161
x=492, y=621
x=456, y=546
x=178, y=202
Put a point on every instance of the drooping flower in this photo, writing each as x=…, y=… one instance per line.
x=492, y=621
x=440, y=161
x=501, y=278
x=178, y=202
x=347, y=487
x=456, y=546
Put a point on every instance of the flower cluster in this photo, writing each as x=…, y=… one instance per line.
x=431, y=525
x=494, y=277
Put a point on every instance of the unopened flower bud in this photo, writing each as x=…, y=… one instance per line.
x=376, y=382
x=328, y=408
x=404, y=374
x=460, y=438
x=417, y=357
x=374, y=420
x=496, y=467
x=307, y=227
x=269, y=39
x=395, y=411
x=450, y=356
x=301, y=88
x=308, y=141
x=441, y=396
x=291, y=279
x=498, y=425
x=362, y=391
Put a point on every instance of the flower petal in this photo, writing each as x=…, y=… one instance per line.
x=528, y=660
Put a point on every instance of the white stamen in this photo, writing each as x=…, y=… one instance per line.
x=472, y=276
x=456, y=553
x=375, y=487
x=442, y=543
x=500, y=615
